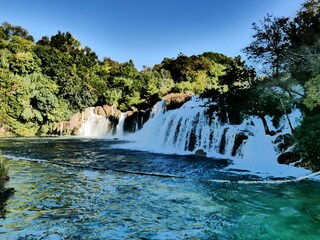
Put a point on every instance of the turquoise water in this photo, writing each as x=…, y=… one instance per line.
x=82, y=202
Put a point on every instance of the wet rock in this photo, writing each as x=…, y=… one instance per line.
x=272, y=133
x=200, y=152
x=192, y=140
x=191, y=144
x=238, y=141
x=7, y=191
x=134, y=120
x=288, y=157
x=223, y=142
x=283, y=142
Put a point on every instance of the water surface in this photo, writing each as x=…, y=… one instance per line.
x=86, y=199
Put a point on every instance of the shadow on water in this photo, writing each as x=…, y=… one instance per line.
x=5, y=194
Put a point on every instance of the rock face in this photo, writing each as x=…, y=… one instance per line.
x=100, y=111
x=176, y=100
x=135, y=120
x=70, y=127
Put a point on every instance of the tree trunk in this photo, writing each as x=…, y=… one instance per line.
x=287, y=116
x=265, y=124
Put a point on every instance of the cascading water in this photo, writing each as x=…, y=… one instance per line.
x=95, y=125
x=101, y=126
x=185, y=130
x=188, y=129
x=119, y=129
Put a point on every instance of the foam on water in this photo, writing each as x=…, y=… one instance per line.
x=188, y=129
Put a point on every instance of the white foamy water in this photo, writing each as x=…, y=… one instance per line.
x=95, y=126
x=188, y=129
x=119, y=129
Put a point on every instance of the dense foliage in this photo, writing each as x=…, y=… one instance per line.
x=45, y=82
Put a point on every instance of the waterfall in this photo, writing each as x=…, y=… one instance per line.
x=119, y=129
x=188, y=129
x=185, y=130
x=158, y=108
x=101, y=126
x=182, y=131
x=95, y=125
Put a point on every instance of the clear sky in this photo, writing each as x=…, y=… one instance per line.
x=146, y=31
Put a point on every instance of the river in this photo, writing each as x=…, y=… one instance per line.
x=81, y=188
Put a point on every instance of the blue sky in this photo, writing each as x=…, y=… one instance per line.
x=146, y=31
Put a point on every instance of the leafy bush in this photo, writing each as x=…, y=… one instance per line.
x=308, y=141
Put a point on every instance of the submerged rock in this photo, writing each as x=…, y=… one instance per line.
x=6, y=193
x=200, y=152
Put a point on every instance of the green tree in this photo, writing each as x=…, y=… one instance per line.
x=8, y=31
x=280, y=42
x=270, y=44
x=308, y=141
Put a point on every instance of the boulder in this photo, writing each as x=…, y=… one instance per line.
x=288, y=157
x=272, y=133
x=283, y=142
x=176, y=100
x=200, y=152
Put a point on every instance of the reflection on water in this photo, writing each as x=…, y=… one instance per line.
x=60, y=202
